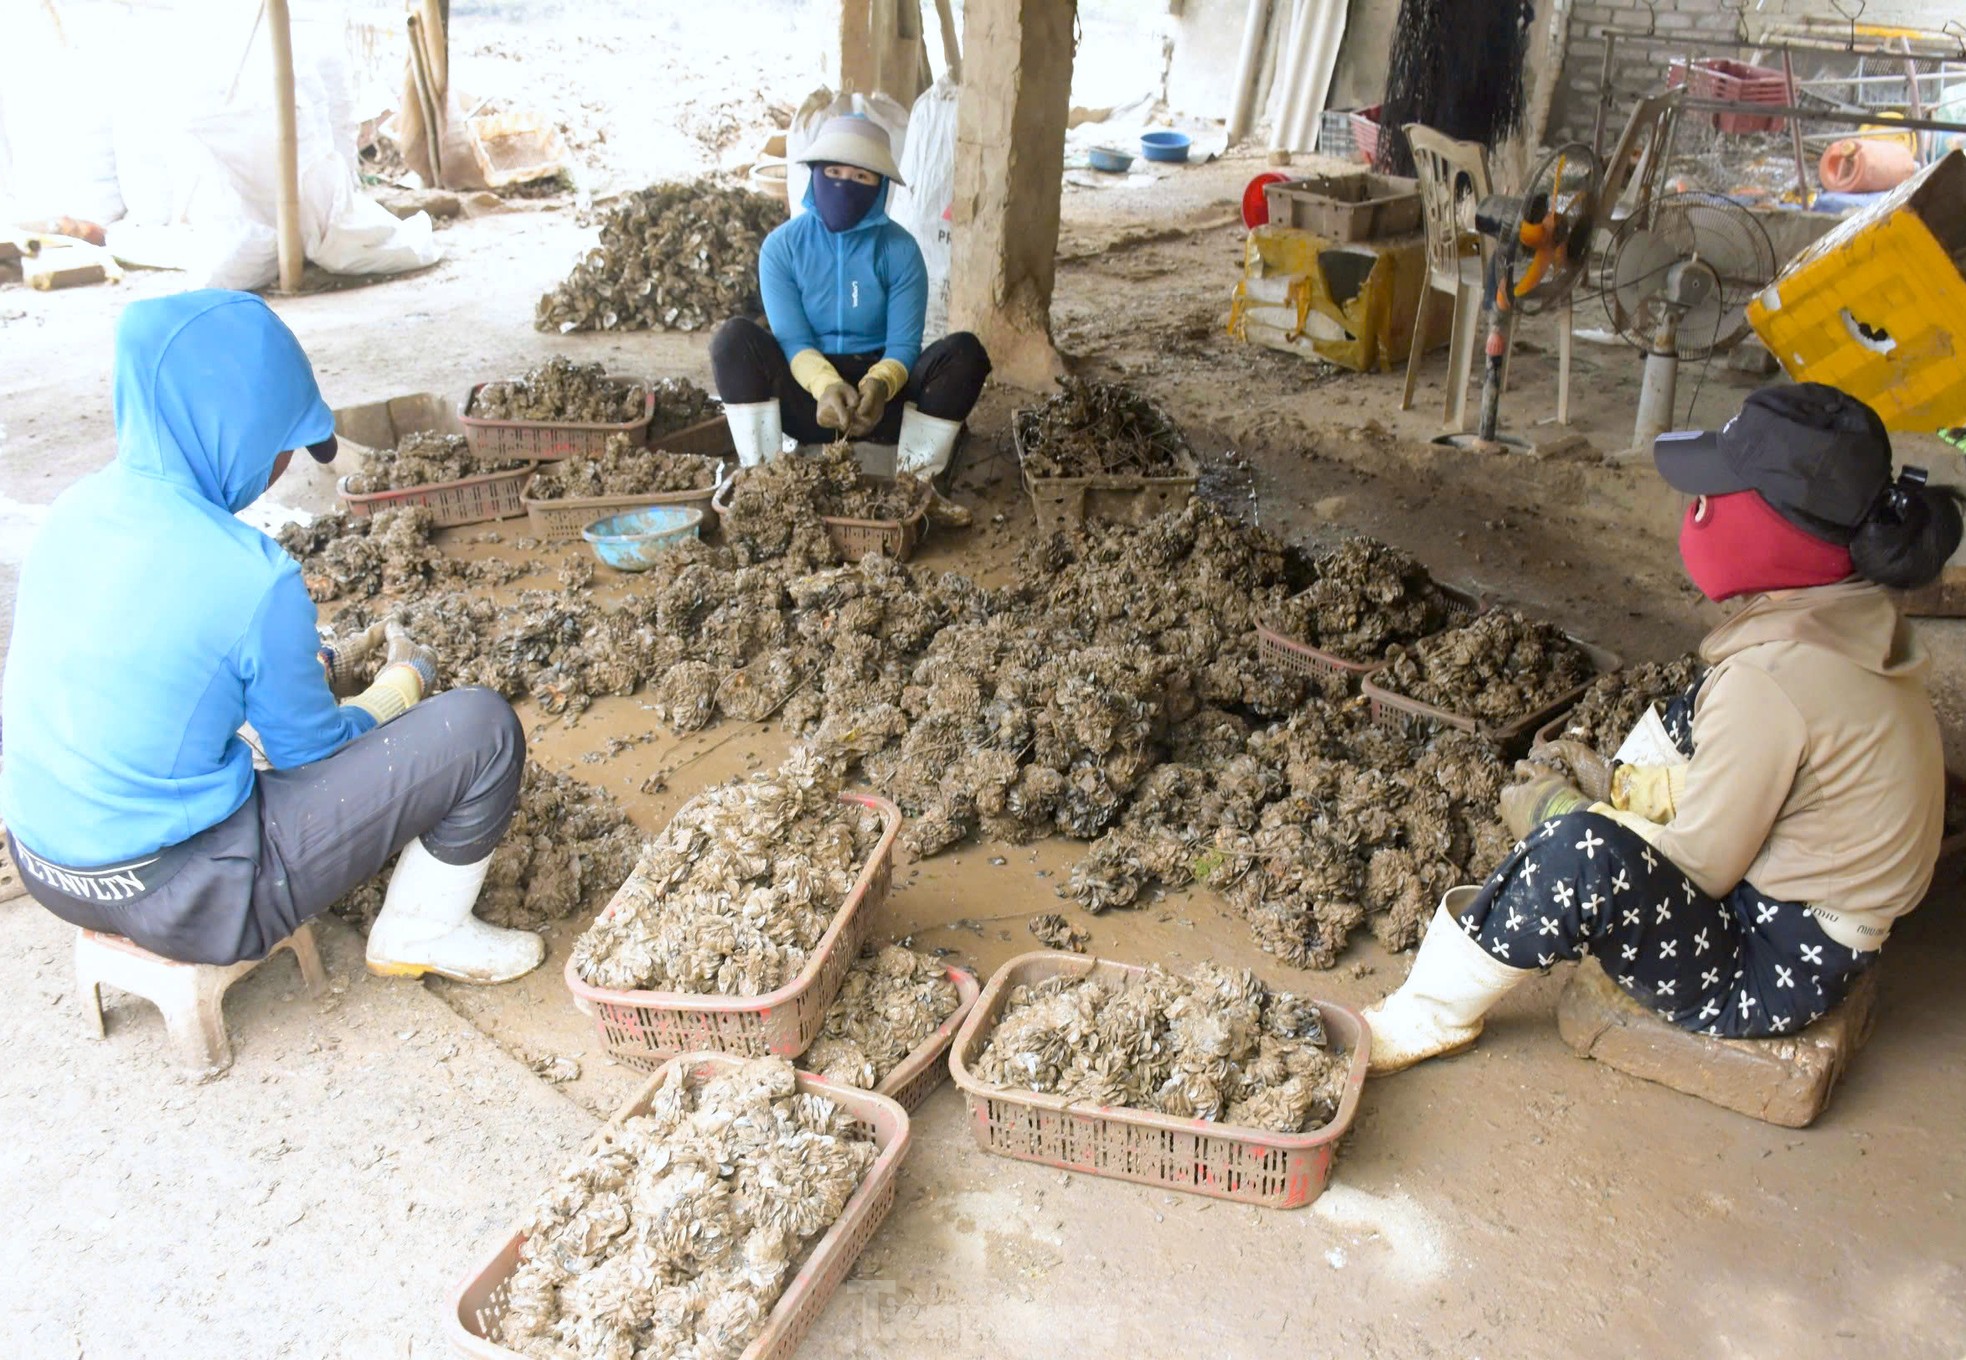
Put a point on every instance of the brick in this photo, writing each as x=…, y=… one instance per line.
x=1784, y=1081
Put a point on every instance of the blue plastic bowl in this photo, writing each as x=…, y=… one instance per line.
x=1109, y=159
x=1165, y=146
x=633, y=540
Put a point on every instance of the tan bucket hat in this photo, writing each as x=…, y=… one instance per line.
x=853, y=139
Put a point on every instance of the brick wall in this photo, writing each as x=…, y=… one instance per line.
x=1640, y=68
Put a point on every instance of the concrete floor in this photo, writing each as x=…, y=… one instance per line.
x=318, y=1200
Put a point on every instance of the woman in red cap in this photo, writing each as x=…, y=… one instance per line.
x=1739, y=877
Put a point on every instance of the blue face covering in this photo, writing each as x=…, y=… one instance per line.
x=841, y=203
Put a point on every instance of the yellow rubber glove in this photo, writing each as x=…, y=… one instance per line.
x=1651, y=791
x=397, y=689
x=814, y=372
x=1527, y=805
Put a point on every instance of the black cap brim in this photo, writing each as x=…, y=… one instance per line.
x=324, y=451
x=1692, y=461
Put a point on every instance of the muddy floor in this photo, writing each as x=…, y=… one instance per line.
x=1515, y=1201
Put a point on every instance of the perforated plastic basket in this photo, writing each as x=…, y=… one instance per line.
x=1064, y=504
x=1388, y=704
x=1288, y=654
x=853, y=539
x=547, y=440
x=923, y=1070
x=480, y=1300
x=642, y=1028
x=561, y=520
x=1250, y=1166
x=470, y=500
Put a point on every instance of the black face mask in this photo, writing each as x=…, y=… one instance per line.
x=841, y=203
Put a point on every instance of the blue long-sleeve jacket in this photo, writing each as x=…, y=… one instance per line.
x=150, y=621
x=859, y=291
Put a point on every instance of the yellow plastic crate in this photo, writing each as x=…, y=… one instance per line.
x=1878, y=306
x=1351, y=303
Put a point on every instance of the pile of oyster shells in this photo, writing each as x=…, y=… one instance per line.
x=1217, y=1045
x=735, y=893
x=624, y=468
x=674, y=256
x=1112, y=688
x=1500, y=668
x=1367, y=597
x=561, y=389
x=1614, y=703
x=893, y=999
x=677, y=1234
x=422, y=459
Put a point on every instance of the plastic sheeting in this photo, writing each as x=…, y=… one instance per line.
x=181, y=164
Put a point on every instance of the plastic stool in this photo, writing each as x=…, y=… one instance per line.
x=191, y=995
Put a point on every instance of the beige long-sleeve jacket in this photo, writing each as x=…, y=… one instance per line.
x=1818, y=774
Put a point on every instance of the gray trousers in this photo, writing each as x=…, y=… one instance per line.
x=448, y=771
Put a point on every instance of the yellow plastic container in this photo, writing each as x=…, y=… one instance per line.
x=1350, y=303
x=1878, y=306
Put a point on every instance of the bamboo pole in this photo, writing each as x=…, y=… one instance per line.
x=280, y=29
x=952, y=50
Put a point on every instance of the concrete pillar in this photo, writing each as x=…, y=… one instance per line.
x=1010, y=159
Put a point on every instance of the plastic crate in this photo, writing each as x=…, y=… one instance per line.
x=1510, y=736
x=480, y=1300
x=1064, y=504
x=854, y=539
x=560, y=521
x=1249, y=1166
x=642, y=1028
x=1738, y=83
x=547, y=440
x=1365, y=132
x=470, y=500
x=915, y=1080
x=1360, y=206
x=1334, y=135
x=1296, y=657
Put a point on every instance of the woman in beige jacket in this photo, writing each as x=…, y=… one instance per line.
x=1739, y=886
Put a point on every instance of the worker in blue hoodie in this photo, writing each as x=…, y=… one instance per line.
x=846, y=292
x=152, y=625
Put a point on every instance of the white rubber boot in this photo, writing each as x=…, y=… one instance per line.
x=426, y=925
x=926, y=443
x=1439, y=1008
x=925, y=447
x=757, y=430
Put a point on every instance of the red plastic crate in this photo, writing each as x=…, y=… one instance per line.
x=1738, y=83
x=1249, y=1166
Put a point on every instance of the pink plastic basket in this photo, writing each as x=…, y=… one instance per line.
x=1388, y=704
x=915, y=1080
x=480, y=1300
x=548, y=440
x=469, y=500
x=854, y=539
x=1736, y=82
x=560, y=521
x=1288, y=654
x=1249, y=1166
x=642, y=1029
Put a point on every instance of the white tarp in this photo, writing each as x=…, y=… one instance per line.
x=190, y=131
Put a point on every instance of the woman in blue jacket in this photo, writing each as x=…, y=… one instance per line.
x=845, y=292
x=152, y=624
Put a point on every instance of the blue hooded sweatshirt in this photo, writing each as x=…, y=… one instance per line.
x=150, y=622
x=859, y=291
